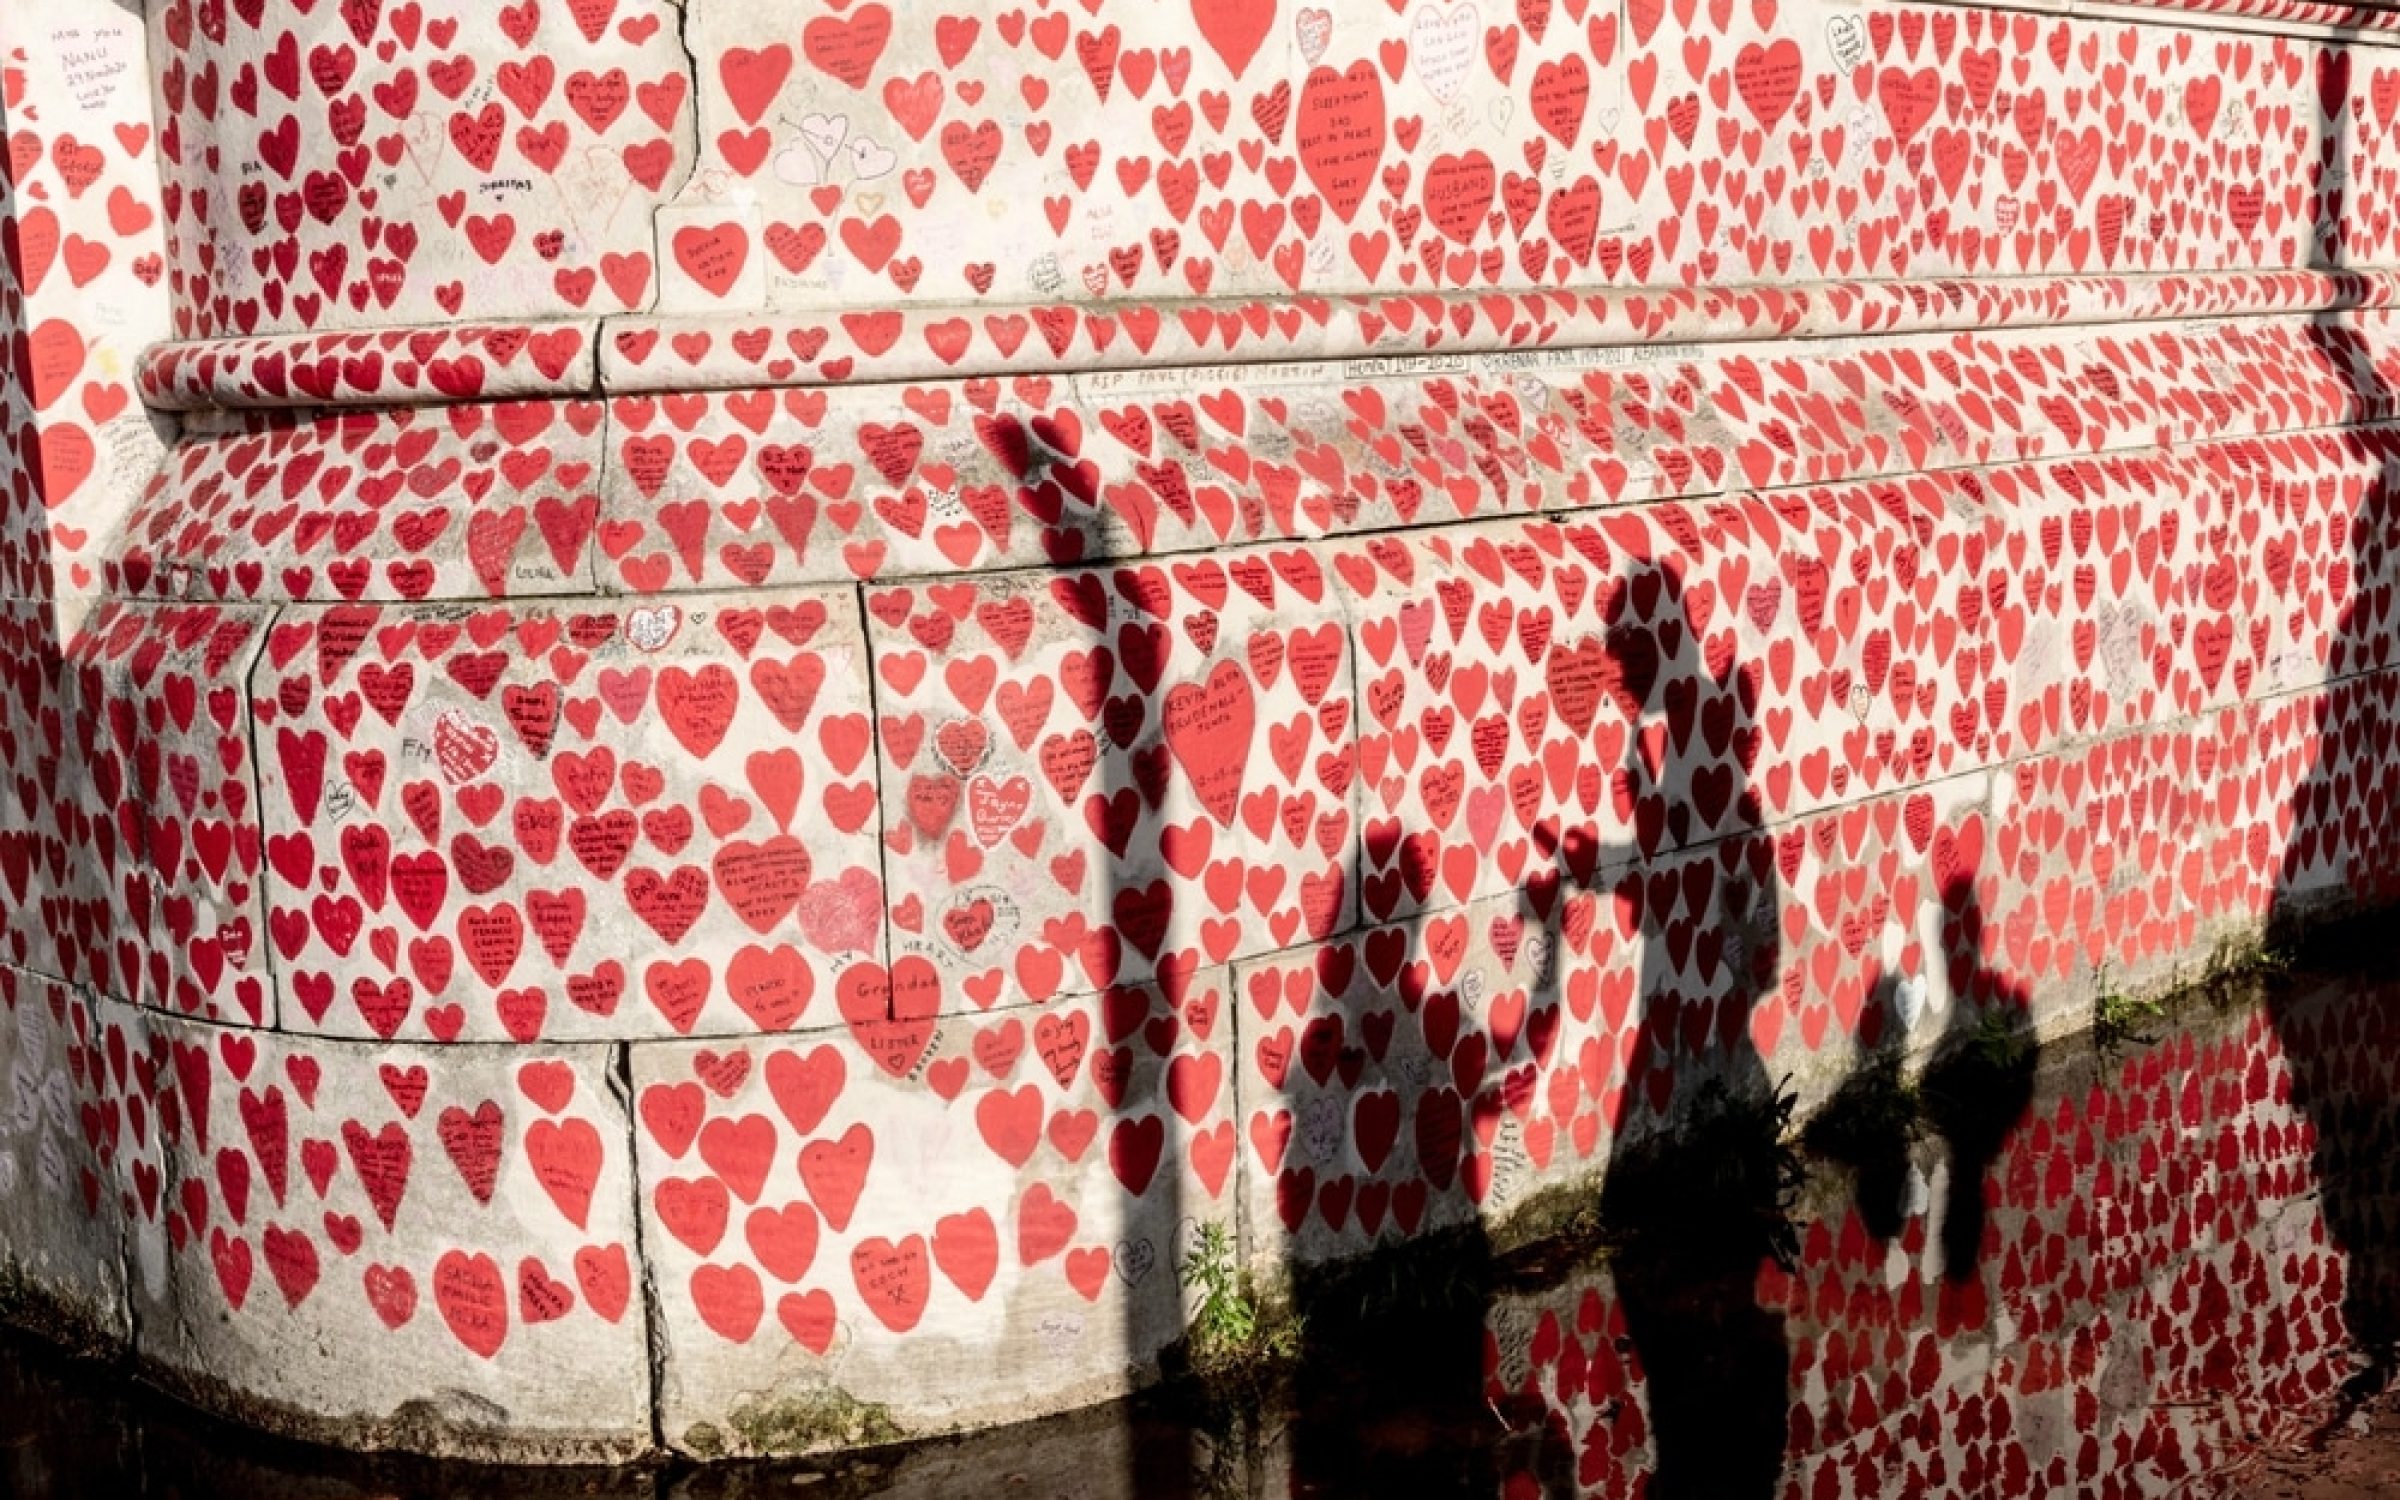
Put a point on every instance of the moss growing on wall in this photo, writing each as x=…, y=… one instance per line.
x=809, y=1421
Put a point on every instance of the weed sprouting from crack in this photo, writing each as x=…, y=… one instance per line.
x=2118, y=1017
x=1238, y=1341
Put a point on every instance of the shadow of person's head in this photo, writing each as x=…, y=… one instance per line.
x=1695, y=878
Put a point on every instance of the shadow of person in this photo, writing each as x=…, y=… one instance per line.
x=2338, y=856
x=1980, y=1081
x=1977, y=1084
x=1698, y=1180
x=2339, y=853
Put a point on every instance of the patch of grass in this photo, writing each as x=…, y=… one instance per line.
x=2117, y=1017
x=1875, y=1108
x=1976, y=1089
x=1236, y=1338
x=1721, y=1180
x=2238, y=965
x=826, y=1418
x=1868, y=1128
x=2255, y=955
x=2002, y=1041
x=1557, y=1225
x=1445, y=1275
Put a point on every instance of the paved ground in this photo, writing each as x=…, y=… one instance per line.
x=2358, y=1460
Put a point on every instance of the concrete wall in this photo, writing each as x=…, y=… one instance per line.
x=717, y=709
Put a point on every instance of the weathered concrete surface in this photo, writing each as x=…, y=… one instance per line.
x=568, y=820
x=913, y=1224
x=61, y=1146
x=800, y=685
x=470, y=1211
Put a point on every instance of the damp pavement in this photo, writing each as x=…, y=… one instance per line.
x=2167, y=1267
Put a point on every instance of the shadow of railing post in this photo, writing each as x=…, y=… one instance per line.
x=1387, y=1383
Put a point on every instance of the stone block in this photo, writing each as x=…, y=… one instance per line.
x=77, y=1160
x=929, y=1222
x=569, y=820
x=526, y=149
x=164, y=764
x=375, y=1244
x=453, y=502
x=1101, y=773
x=1413, y=1078
x=59, y=915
